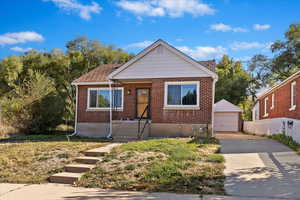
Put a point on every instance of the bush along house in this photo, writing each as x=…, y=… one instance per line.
x=278, y=110
x=161, y=92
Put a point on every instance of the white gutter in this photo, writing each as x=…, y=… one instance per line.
x=110, y=112
x=76, y=106
x=213, y=110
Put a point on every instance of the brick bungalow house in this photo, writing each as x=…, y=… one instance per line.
x=280, y=101
x=277, y=110
x=159, y=92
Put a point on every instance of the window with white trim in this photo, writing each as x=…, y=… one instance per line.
x=99, y=98
x=182, y=94
x=266, y=107
x=293, y=95
x=273, y=101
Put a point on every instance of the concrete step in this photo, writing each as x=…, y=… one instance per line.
x=65, y=177
x=101, y=151
x=95, y=153
x=87, y=160
x=78, y=168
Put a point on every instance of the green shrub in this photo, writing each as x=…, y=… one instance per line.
x=215, y=158
x=287, y=140
x=33, y=106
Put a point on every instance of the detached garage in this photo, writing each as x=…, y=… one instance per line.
x=227, y=117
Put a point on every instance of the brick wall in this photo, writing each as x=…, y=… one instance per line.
x=158, y=113
x=200, y=116
x=129, y=108
x=282, y=102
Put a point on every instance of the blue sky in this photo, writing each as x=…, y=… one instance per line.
x=204, y=29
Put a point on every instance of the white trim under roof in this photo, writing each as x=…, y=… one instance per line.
x=92, y=83
x=169, y=47
x=279, y=85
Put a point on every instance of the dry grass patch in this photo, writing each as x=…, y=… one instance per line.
x=164, y=165
x=31, y=159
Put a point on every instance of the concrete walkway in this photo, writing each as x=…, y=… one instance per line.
x=258, y=167
x=53, y=191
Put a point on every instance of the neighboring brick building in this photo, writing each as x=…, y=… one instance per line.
x=161, y=84
x=280, y=101
x=277, y=110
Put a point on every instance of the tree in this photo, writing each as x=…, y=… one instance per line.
x=233, y=81
x=285, y=62
x=33, y=106
x=62, y=68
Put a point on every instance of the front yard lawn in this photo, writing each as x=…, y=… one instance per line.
x=163, y=165
x=33, y=158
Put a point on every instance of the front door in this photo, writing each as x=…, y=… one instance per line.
x=143, y=102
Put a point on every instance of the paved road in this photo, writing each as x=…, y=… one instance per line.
x=258, y=167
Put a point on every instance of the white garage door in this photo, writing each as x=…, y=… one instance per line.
x=226, y=121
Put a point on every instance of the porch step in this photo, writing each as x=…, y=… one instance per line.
x=78, y=168
x=87, y=160
x=65, y=177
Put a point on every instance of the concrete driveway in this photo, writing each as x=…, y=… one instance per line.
x=259, y=168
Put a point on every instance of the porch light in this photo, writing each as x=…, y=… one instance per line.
x=129, y=91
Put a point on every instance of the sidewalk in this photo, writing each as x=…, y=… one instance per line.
x=52, y=191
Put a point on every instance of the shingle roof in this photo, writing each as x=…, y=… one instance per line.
x=99, y=74
x=209, y=64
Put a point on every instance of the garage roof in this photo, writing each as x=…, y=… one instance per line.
x=226, y=106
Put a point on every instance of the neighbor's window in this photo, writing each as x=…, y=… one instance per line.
x=273, y=101
x=99, y=98
x=293, y=95
x=266, y=107
x=182, y=94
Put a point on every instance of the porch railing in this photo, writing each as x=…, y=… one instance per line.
x=141, y=130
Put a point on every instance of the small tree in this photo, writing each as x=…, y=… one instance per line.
x=33, y=106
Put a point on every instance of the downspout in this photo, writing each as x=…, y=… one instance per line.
x=213, y=104
x=110, y=111
x=76, y=106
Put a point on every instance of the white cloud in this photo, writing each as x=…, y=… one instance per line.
x=226, y=28
x=20, y=37
x=236, y=46
x=204, y=52
x=20, y=49
x=84, y=11
x=261, y=27
x=171, y=8
x=139, y=45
